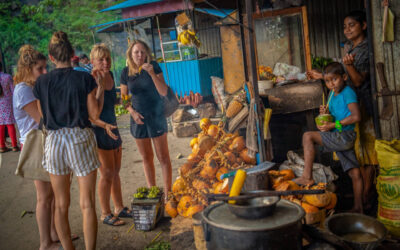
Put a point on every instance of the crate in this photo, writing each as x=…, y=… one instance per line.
x=146, y=213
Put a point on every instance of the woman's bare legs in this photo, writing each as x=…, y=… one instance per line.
x=145, y=149
x=106, y=187
x=87, y=201
x=162, y=152
x=44, y=200
x=116, y=193
x=61, y=189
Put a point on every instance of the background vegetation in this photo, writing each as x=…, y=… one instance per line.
x=33, y=24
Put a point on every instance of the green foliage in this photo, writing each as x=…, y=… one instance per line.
x=320, y=62
x=159, y=245
x=21, y=24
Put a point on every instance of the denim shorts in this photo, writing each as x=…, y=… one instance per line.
x=343, y=144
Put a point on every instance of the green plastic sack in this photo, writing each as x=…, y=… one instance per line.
x=388, y=188
x=388, y=184
x=388, y=153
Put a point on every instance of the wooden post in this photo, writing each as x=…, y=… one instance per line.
x=306, y=38
x=152, y=37
x=374, y=100
x=253, y=78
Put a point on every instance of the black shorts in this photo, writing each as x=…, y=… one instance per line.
x=104, y=141
x=152, y=127
x=343, y=144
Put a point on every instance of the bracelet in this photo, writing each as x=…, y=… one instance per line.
x=338, y=125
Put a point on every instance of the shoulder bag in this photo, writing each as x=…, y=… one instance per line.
x=30, y=159
x=170, y=102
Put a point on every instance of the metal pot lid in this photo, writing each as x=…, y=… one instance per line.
x=286, y=213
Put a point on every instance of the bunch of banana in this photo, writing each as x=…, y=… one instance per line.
x=188, y=37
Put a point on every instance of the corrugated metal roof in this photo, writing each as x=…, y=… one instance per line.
x=129, y=3
x=114, y=22
x=218, y=13
x=222, y=13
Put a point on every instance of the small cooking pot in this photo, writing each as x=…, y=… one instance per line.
x=254, y=208
x=357, y=230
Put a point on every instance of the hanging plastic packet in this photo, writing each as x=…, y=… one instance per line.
x=186, y=34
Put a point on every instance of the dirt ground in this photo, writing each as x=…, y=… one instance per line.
x=18, y=194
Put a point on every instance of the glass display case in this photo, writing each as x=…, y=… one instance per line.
x=281, y=36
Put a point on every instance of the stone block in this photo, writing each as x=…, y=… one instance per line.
x=207, y=110
x=184, y=129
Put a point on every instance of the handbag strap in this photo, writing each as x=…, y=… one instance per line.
x=41, y=125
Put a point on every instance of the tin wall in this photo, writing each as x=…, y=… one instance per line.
x=192, y=75
x=208, y=34
x=325, y=19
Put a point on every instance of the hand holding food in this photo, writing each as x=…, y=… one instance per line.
x=100, y=77
x=327, y=126
x=149, y=68
x=323, y=109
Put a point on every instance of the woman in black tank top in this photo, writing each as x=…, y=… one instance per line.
x=109, y=149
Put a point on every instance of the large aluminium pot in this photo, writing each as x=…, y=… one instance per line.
x=359, y=231
x=281, y=230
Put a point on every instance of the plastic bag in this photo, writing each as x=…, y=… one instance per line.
x=286, y=70
x=320, y=172
x=388, y=153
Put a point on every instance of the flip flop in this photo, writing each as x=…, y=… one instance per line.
x=124, y=213
x=110, y=221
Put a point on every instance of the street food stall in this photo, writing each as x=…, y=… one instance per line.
x=277, y=51
x=238, y=199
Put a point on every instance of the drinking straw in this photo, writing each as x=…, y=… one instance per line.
x=329, y=99
x=323, y=99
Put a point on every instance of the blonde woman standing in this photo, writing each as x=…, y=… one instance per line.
x=109, y=149
x=144, y=79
